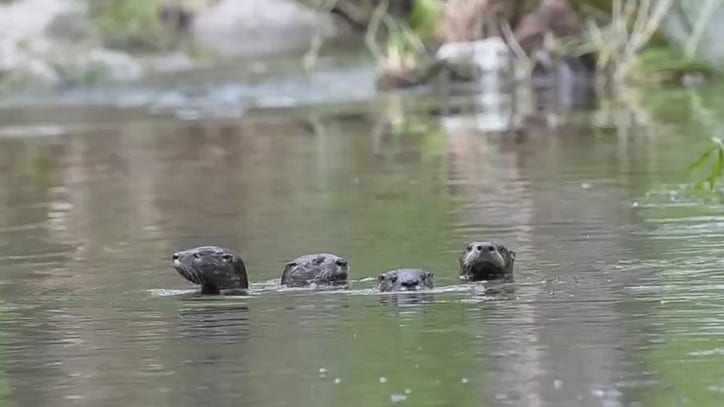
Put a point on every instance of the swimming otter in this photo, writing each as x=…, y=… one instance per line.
x=217, y=270
x=405, y=280
x=318, y=269
x=486, y=261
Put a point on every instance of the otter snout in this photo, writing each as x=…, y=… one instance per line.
x=410, y=285
x=485, y=247
x=405, y=280
x=483, y=252
x=342, y=271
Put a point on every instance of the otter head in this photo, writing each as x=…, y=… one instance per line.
x=405, y=280
x=486, y=261
x=338, y=272
x=214, y=268
x=321, y=269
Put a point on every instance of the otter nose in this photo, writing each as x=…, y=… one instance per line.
x=489, y=248
x=175, y=256
x=341, y=262
x=410, y=283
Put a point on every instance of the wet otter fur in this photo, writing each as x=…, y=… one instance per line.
x=405, y=280
x=215, y=269
x=321, y=269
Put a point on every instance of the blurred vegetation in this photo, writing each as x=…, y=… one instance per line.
x=663, y=64
x=424, y=19
x=716, y=164
x=132, y=24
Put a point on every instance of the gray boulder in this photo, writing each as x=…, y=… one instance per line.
x=252, y=27
x=24, y=19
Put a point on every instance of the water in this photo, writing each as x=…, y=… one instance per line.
x=619, y=275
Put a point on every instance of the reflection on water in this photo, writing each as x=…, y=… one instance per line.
x=618, y=273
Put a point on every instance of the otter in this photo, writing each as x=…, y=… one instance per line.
x=318, y=269
x=215, y=269
x=486, y=261
x=405, y=280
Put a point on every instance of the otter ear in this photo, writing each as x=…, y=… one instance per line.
x=381, y=277
x=429, y=275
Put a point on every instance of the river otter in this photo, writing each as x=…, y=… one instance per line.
x=217, y=270
x=405, y=280
x=486, y=261
x=317, y=269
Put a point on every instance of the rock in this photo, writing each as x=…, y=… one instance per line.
x=71, y=26
x=10, y=56
x=18, y=68
x=172, y=62
x=470, y=59
x=683, y=15
x=232, y=27
x=108, y=65
x=25, y=19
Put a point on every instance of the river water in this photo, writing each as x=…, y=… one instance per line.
x=619, y=282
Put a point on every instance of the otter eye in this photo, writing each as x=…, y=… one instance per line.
x=341, y=262
x=196, y=256
x=227, y=257
x=491, y=248
x=479, y=248
x=428, y=276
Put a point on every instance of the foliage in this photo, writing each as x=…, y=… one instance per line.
x=403, y=47
x=664, y=64
x=425, y=17
x=717, y=166
x=131, y=24
x=619, y=43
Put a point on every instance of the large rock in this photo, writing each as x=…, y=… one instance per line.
x=25, y=19
x=47, y=42
x=248, y=27
x=18, y=68
x=488, y=56
x=684, y=15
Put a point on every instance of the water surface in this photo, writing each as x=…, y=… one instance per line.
x=619, y=281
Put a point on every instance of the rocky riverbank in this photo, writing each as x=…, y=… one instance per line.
x=50, y=43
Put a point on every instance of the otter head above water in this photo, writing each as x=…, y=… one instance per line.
x=215, y=269
x=486, y=261
x=405, y=280
x=318, y=269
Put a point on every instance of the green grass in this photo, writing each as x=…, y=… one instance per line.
x=714, y=158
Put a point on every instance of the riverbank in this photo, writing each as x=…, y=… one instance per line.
x=60, y=44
